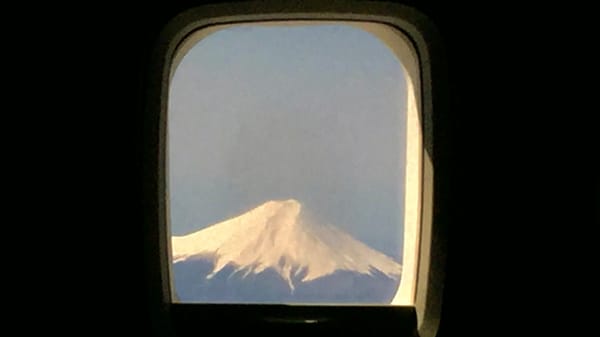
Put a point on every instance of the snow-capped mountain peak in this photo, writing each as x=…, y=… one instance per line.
x=275, y=235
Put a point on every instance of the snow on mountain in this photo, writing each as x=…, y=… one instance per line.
x=274, y=235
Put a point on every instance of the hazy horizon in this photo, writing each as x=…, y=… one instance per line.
x=313, y=113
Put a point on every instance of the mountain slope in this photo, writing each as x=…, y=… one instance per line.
x=274, y=236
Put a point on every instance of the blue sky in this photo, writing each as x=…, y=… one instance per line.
x=312, y=113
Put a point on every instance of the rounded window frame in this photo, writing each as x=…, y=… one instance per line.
x=412, y=26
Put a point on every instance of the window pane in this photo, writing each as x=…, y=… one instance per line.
x=287, y=166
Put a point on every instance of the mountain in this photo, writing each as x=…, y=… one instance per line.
x=272, y=254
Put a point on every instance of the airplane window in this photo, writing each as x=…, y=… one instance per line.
x=293, y=165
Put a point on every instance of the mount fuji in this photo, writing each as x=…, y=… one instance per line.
x=272, y=254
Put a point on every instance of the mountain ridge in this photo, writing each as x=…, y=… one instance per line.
x=275, y=235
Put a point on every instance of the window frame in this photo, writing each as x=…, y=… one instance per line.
x=430, y=274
